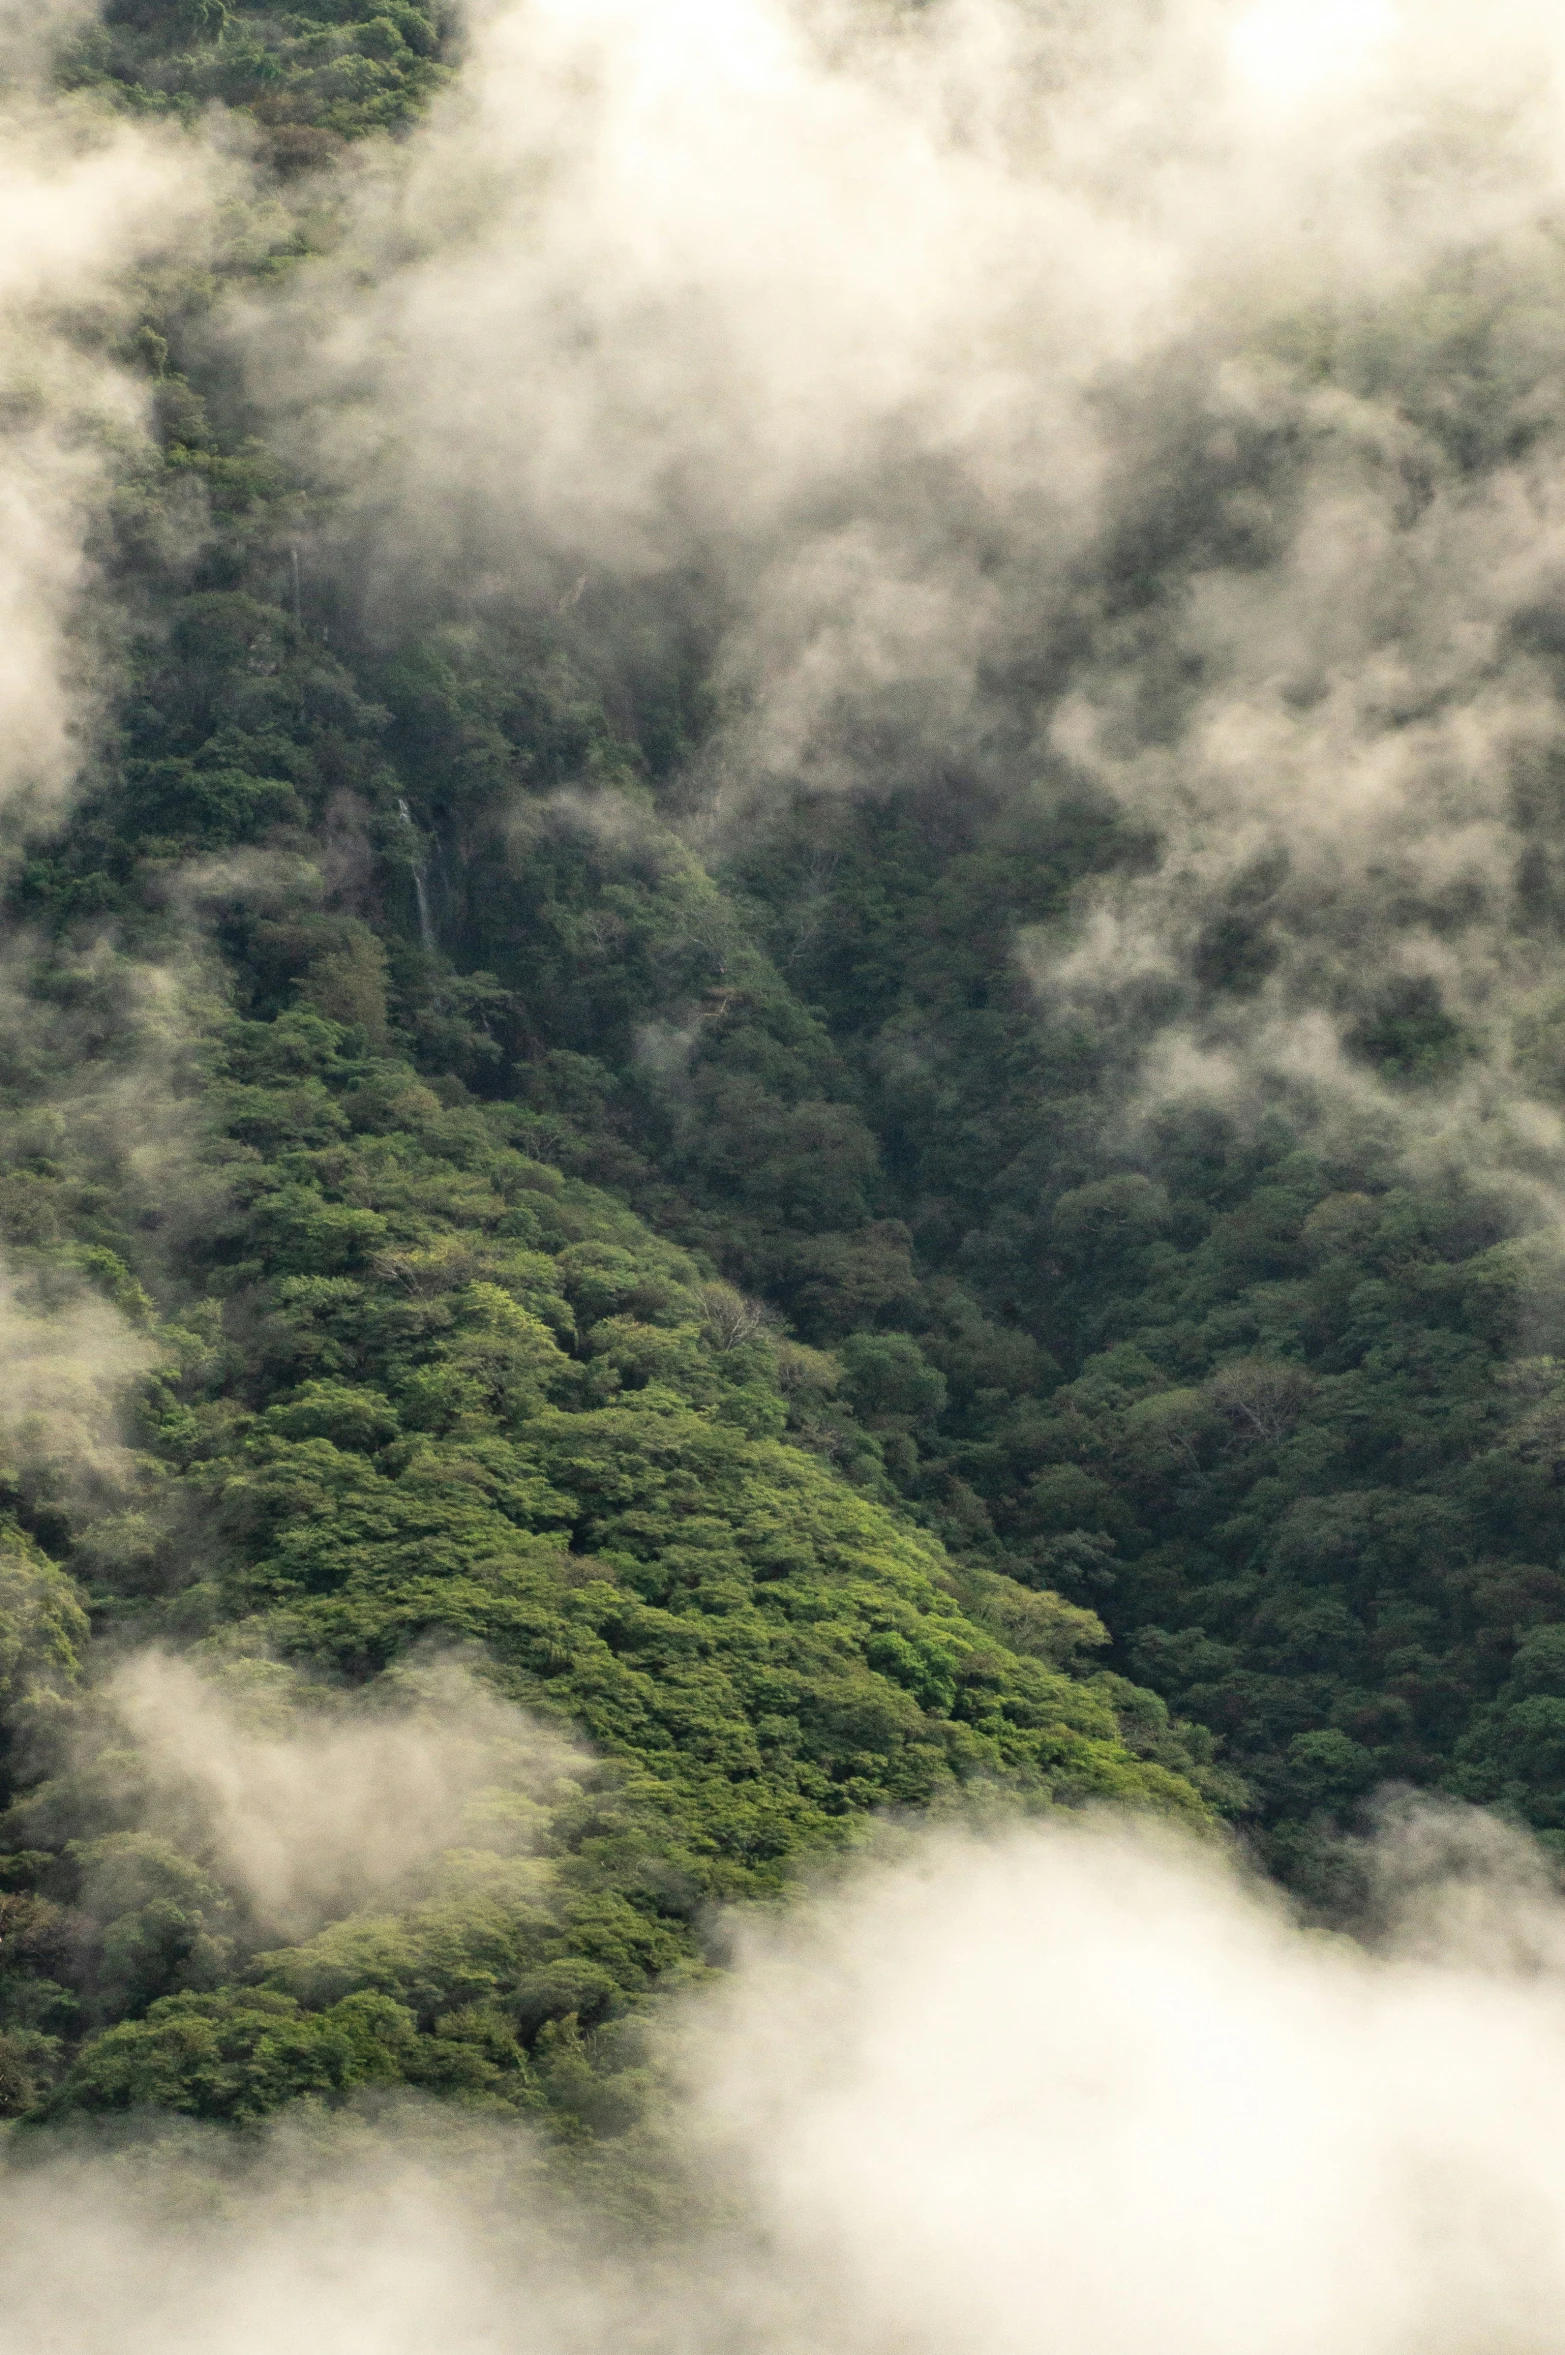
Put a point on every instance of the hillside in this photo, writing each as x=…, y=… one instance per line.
x=430, y=1361
x=471, y=1181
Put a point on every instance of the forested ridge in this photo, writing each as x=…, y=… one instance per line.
x=687, y=1272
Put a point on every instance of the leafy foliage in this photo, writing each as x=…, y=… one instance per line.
x=311, y=76
x=710, y=1291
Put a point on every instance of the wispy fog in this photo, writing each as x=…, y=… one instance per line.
x=1159, y=403
x=309, y=1809
x=85, y=207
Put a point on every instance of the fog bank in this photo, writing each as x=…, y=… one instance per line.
x=1074, y=2087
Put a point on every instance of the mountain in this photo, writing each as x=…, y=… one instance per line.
x=499, y=1217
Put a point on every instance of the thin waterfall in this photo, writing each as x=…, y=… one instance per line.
x=426, y=929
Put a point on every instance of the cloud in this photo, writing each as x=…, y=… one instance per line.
x=67, y=1359
x=32, y=33
x=87, y=204
x=96, y=1052
x=1154, y=401
x=1081, y=2090
x=311, y=1808
x=1069, y=2087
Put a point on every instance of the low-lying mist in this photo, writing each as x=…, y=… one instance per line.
x=1151, y=403
x=90, y=211
x=1074, y=2086
x=309, y=1811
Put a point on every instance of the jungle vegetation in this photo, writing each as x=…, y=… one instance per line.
x=842, y=1425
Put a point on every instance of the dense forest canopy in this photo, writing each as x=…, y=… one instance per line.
x=776, y=983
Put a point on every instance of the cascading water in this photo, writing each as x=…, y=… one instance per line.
x=426, y=928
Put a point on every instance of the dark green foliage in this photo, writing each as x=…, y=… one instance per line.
x=312, y=76
x=709, y=1293
x=459, y=1394
x=237, y=2055
x=419, y=1385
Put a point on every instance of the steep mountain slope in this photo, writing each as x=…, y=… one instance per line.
x=694, y=1256
x=402, y=1378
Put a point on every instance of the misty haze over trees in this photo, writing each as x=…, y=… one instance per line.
x=783, y=1033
